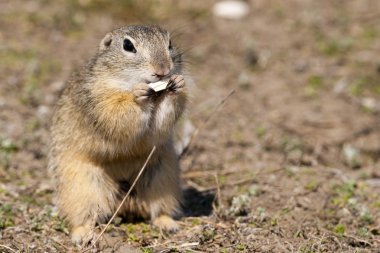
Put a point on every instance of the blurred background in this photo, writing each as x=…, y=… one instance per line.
x=289, y=163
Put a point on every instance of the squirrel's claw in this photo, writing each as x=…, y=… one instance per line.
x=176, y=83
x=141, y=92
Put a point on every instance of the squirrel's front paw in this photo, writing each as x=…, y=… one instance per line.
x=142, y=92
x=176, y=83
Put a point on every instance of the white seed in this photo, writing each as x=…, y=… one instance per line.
x=158, y=86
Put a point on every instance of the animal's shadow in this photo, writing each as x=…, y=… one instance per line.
x=197, y=203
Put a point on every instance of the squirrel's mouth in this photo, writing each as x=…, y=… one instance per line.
x=156, y=79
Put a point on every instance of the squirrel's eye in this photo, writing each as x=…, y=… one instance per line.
x=128, y=46
x=170, y=45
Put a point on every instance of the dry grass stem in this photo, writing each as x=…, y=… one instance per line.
x=8, y=248
x=196, y=132
x=218, y=198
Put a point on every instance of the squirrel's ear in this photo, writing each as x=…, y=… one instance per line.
x=106, y=42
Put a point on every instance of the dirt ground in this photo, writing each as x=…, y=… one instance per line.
x=290, y=163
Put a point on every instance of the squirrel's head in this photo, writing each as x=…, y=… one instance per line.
x=136, y=54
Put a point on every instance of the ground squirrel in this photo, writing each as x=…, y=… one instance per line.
x=105, y=125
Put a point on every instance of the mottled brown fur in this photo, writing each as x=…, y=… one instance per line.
x=104, y=127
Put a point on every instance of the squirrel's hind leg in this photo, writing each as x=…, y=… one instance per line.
x=162, y=190
x=86, y=195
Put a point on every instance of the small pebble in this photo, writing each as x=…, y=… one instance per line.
x=251, y=57
x=352, y=156
x=233, y=10
x=244, y=80
x=301, y=66
x=43, y=111
x=369, y=103
x=340, y=86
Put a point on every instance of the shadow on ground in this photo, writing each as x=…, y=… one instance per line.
x=197, y=203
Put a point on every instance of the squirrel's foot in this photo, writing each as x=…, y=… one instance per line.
x=176, y=84
x=82, y=235
x=166, y=223
x=142, y=92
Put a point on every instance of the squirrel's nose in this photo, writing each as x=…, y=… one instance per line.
x=161, y=71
